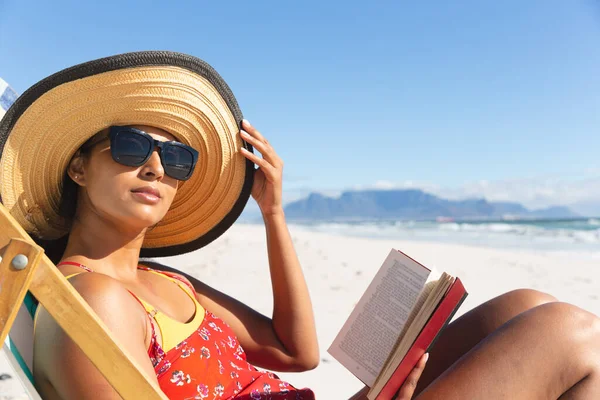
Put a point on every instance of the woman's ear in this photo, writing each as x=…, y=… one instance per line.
x=76, y=170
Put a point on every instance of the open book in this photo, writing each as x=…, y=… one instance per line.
x=395, y=322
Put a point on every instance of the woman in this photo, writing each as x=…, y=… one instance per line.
x=148, y=148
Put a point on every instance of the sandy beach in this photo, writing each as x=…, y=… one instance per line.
x=338, y=270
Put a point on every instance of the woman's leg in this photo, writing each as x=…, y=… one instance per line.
x=463, y=334
x=549, y=352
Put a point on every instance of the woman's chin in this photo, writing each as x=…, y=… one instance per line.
x=146, y=217
x=142, y=223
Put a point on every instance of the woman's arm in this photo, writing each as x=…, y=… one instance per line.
x=293, y=319
x=288, y=340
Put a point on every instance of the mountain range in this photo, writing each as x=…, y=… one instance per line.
x=410, y=204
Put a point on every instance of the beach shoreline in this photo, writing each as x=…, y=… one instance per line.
x=339, y=268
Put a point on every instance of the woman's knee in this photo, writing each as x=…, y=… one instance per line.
x=521, y=300
x=573, y=325
x=576, y=318
x=490, y=315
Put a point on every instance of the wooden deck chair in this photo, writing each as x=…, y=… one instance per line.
x=27, y=275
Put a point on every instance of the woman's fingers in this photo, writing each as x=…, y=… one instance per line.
x=258, y=141
x=261, y=162
x=257, y=144
x=252, y=131
x=270, y=171
x=410, y=384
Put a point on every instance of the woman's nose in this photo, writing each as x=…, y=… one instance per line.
x=153, y=166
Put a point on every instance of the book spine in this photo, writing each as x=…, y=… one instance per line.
x=440, y=318
x=447, y=322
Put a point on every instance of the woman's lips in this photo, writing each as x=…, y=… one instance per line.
x=146, y=197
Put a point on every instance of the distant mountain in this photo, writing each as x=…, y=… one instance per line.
x=554, y=212
x=409, y=204
x=588, y=208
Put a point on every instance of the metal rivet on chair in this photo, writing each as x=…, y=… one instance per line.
x=20, y=261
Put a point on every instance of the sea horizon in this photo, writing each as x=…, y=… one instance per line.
x=580, y=234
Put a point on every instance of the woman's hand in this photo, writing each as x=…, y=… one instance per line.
x=408, y=387
x=410, y=384
x=267, y=186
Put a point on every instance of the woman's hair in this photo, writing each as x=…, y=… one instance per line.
x=55, y=249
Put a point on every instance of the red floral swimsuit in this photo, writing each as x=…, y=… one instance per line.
x=211, y=364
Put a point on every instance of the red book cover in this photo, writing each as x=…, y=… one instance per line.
x=440, y=318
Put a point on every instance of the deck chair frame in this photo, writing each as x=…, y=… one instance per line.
x=25, y=268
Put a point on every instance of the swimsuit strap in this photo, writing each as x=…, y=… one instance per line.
x=143, y=268
x=168, y=275
x=150, y=314
x=76, y=264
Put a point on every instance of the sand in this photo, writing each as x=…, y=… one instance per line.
x=338, y=270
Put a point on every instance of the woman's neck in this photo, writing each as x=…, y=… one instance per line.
x=105, y=249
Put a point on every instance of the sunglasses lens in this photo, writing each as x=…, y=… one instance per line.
x=131, y=149
x=178, y=162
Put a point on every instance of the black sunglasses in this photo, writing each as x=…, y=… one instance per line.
x=133, y=147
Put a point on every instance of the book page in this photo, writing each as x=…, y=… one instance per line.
x=371, y=332
x=429, y=286
x=411, y=330
x=451, y=295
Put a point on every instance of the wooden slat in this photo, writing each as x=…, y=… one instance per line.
x=13, y=282
x=71, y=312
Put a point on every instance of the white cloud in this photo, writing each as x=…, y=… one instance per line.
x=387, y=185
x=532, y=192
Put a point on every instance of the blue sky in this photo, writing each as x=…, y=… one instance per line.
x=498, y=99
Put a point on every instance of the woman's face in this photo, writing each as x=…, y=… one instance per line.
x=136, y=197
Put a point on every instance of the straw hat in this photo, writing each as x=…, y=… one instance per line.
x=175, y=92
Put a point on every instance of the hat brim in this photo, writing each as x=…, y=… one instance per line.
x=175, y=92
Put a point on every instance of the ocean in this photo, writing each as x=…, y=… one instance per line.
x=580, y=235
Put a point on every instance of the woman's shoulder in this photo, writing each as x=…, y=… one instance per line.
x=109, y=299
x=106, y=295
x=89, y=283
x=113, y=304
